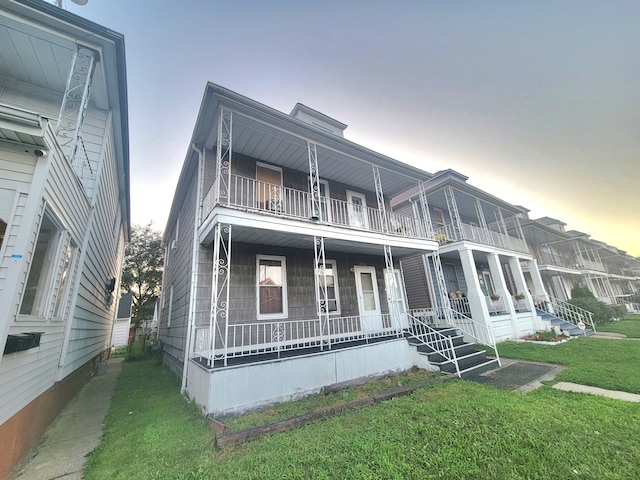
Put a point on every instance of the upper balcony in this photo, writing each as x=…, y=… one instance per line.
x=249, y=194
x=448, y=234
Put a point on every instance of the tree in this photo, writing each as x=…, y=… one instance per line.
x=142, y=273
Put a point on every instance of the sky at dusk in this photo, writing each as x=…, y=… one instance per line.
x=537, y=102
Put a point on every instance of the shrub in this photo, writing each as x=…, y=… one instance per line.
x=601, y=311
x=581, y=291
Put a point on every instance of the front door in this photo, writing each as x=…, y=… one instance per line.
x=397, y=303
x=357, y=206
x=368, y=299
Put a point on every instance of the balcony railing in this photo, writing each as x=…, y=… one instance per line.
x=447, y=234
x=259, y=338
x=254, y=195
x=549, y=258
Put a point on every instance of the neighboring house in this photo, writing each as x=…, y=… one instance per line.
x=282, y=257
x=64, y=210
x=570, y=258
x=487, y=275
x=122, y=326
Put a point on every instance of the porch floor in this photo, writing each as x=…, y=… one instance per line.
x=237, y=361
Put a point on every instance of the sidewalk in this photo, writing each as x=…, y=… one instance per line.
x=76, y=432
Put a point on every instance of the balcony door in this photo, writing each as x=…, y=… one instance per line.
x=357, y=207
x=368, y=299
x=269, y=188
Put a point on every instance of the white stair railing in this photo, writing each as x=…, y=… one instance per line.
x=564, y=310
x=432, y=338
x=481, y=333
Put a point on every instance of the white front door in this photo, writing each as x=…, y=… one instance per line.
x=368, y=299
x=357, y=206
x=397, y=302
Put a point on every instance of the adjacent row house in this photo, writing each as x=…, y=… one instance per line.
x=64, y=210
x=296, y=259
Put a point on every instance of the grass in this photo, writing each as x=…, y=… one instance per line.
x=598, y=362
x=629, y=325
x=456, y=429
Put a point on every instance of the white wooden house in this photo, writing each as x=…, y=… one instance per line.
x=570, y=258
x=486, y=274
x=64, y=210
x=282, y=257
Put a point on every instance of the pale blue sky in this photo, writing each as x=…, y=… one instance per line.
x=538, y=102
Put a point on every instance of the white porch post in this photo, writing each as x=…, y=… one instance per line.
x=521, y=285
x=590, y=285
x=220, y=290
x=391, y=289
x=380, y=197
x=475, y=296
x=223, y=157
x=314, y=183
x=538, y=284
x=501, y=288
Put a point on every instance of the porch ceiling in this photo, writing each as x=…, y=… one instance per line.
x=41, y=58
x=266, y=134
x=286, y=239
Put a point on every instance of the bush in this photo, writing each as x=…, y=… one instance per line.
x=581, y=291
x=138, y=351
x=601, y=311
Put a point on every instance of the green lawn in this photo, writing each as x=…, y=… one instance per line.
x=456, y=429
x=599, y=362
x=630, y=326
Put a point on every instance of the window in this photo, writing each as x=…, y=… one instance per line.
x=34, y=300
x=170, y=306
x=438, y=217
x=3, y=229
x=331, y=272
x=272, y=287
x=66, y=263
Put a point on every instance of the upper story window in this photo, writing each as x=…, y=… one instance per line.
x=271, y=287
x=41, y=271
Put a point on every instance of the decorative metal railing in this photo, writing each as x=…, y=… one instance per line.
x=564, y=310
x=548, y=258
x=249, y=339
x=447, y=233
x=432, y=338
x=255, y=195
x=479, y=332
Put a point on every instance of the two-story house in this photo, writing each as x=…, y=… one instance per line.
x=283, y=253
x=485, y=273
x=64, y=210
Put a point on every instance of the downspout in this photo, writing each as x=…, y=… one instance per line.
x=194, y=269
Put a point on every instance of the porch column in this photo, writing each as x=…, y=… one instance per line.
x=538, y=284
x=612, y=295
x=424, y=205
x=223, y=157
x=75, y=101
x=483, y=222
x=590, y=285
x=219, y=316
x=322, y=299
x=501, y=288
x=314, y=183
x=454, y=213
x=384, y=224
x=475, y=296
x=521, y=286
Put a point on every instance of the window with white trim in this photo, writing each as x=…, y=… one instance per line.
x=271, y=287
x=41, y=270
x=170, y=306
x=333, y=299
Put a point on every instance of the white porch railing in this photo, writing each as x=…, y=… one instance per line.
x=447, y=234
x=564, y=310
x=495, y=307
x=432, y=338
x=249, y=339
x=254, y=195
x=469, y=327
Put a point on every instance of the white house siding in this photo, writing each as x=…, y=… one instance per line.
x=177, y=275
x=94, y=311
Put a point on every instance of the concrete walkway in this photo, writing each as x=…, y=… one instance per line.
x=575, y=387
x=76, y=432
